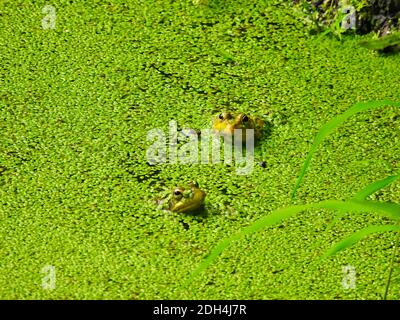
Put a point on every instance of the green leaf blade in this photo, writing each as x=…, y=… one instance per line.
x=381, y=43
x=331, y=125
x=356, y=237
x=391, y=210
x=374, y=187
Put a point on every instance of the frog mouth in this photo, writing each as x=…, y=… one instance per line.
x=230, y=131
x=226, y=131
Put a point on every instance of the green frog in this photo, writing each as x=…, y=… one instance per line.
x=181, y=199
x=226, y=122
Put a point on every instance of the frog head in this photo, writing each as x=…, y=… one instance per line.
x=183, y=198
x=226, y=123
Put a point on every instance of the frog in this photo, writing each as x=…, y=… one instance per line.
x=183, y=199
x=226, y=122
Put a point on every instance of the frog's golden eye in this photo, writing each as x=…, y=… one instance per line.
x=224, y=116
x=178, y=194
x=245, y=119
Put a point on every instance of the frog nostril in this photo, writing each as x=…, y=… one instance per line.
x=245, y=119
x=177, y=193
x=221, y=116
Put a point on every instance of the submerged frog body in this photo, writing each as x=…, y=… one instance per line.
x=225, y=124
x=183, y=198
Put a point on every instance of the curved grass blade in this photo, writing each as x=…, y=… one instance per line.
x=388, y=209
x=374, y=187
x=381, y=43
x=391, y=210
x=273, y=218
x=331, y=125
x=356, y=237
x=389, y=279
x=363, y=194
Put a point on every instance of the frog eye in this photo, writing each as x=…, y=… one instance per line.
x=177, y=192
x=224, y=116
x=245, y=119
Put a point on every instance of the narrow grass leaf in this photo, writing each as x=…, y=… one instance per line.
x=374, y=187
x=363, y=194
x=391, y=210
x=334, y=123
x=387, y=209
x=356, y=237
x=381, y=43
x=271, y=219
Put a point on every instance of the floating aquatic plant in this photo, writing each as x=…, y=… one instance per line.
x=357, y=204
x=331, y=125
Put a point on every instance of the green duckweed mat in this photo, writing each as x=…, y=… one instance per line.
x=76, y=190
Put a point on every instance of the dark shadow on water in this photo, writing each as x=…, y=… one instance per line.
x=389, y=51
x=200, y=213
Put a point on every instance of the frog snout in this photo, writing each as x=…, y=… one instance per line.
x=230, y=129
